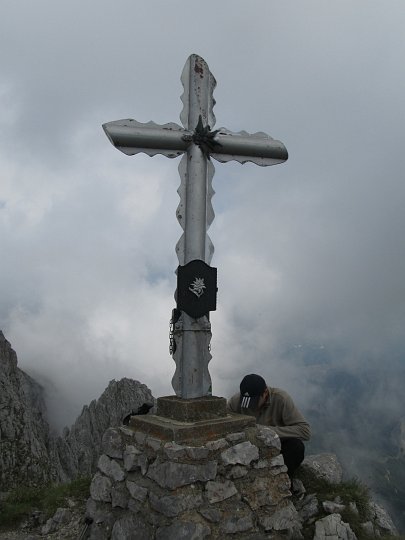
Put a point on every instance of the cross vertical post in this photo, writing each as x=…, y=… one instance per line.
x=192, y=331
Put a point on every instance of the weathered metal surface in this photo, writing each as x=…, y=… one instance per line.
x=259, y=148
x=197, y=141
x=132, y=137
x=195, y=211
x=198, y=96
x=195, y=214
x=192, y=356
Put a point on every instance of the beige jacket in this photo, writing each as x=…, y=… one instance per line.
x=279, y=413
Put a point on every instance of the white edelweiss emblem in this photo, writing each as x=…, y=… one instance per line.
x=197, y=287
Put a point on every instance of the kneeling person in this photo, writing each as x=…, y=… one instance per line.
x=274, y=408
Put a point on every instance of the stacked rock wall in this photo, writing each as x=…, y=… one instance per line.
x=146, y=488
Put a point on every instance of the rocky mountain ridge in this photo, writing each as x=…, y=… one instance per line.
x=24, y=431
x=29, y=453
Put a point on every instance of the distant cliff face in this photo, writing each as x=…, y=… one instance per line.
x=78, y=450
x=29, y=455
x=24, y=431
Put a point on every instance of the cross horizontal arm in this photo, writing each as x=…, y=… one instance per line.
x=171, y=140
x=132, y=137
x=259, y=148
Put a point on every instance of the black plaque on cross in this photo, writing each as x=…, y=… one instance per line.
x=196, y=288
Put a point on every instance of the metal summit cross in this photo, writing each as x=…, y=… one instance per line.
x=196, y=287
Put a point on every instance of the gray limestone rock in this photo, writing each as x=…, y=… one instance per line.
x=140, y=438
x=100, y=488
x=137, y=492
x=109, y=467
x=119, y=495
x=131, y=457
x=153, y=443
x=143, y=464
x=237, y=472
x=277, y=461
x=307, y=507
x=134, y=459
x=237, y=525
x=134, y=506
x=131, y=527
x=216, y=445
x=61, y=517
x=236, y=437
x=102, y=530
x=213, y=515
x=49, y=527
x=183, y=531
x=257, y=536
x=219, y=491
x=112, y=443
x=283, y=519
x=382, y=519
x=240, y=454
x=197, y=452
x=97, y=511
x=332, y=507
x=298, y=488
x=174, y=451
x=278, y=470
x=261, y=464
x=268, y=437
x=174, y=475
x=333, y=528
x=173, y=505
x=284, y=485
x=260, y=493
x=325, y=466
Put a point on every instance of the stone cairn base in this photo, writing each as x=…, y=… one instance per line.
x=213, y=486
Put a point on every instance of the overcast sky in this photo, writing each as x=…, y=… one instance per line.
x=308, y=252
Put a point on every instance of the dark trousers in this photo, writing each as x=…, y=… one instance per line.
x=293, y=451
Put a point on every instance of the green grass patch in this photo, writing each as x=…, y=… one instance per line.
x=349, y=491
x=22, y=501
x=346, y=492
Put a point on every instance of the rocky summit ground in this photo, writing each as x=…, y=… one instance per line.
x=66, y=524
